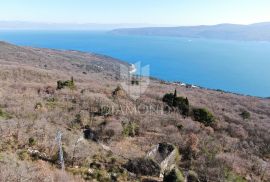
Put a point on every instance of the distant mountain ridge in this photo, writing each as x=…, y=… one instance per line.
x=252, y=32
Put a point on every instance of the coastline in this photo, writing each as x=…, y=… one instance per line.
x=133, y=70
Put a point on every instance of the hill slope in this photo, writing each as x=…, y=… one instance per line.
x=253, y=32
x=105, y=131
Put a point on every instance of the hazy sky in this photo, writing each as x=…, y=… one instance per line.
x=170, y=12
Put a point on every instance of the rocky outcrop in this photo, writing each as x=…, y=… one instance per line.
x=143, y=166
x=90, y=134
x=165, y=155
x=160, y=159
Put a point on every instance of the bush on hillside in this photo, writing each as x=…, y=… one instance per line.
x=180, y=103
x=31, y=141
x=68, y=83
x=231, y=176
x=104, y=111
x=23, y=155
x=204, y=116
x=245, y=115
x=169, y=99
x=4, y=115
x=38, y=106
x=131, y=129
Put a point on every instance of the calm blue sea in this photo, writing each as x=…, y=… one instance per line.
x=236, y=66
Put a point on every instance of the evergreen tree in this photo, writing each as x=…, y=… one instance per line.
x=175, y=93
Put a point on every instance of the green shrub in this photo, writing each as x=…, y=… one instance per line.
x=104, y=111
x=131, y=129
x=51, y=103
x=32, y=141
x=180, y=103
x=175, y=175
x=68, y=83
x=51, y=99
x=232, y=177
x=4, y=115
x=38, y=106
x=101, y=175
x=169, y=99
x=179, y=127
x=204, y=116
x=83, y=171
x=23, y=155
x=245, y=115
